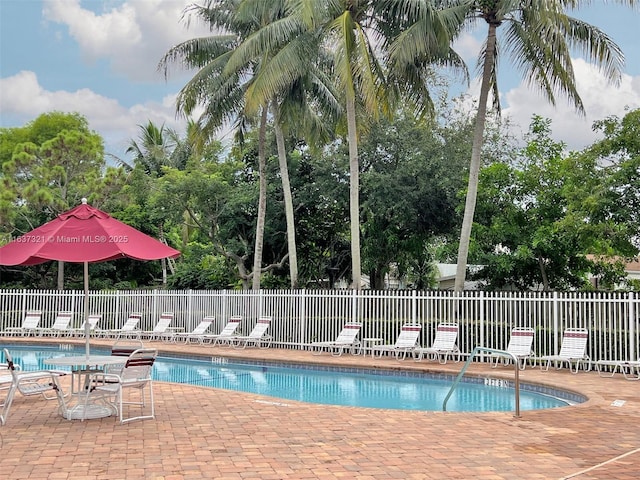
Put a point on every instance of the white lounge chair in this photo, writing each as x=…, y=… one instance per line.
x=629, y=368
x=520, y=346
x=226, y=334
x=197, y=334
x=257, y=337
x=29, y=325
x=92, y=320
x=135, y=374
x=572, y=351
x=60, y=325
x=161, y=329
x=443, y=346
x=128, y=330
x=28, y=383
x=407, y=342
x=346, y=339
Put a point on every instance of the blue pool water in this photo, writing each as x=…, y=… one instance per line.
x=326, y=385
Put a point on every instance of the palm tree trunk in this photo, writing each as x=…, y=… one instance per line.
x=262, y=200
x=476, y=160
x=288, y=206
x=354, y=194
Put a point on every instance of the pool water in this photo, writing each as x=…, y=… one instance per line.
x=346, y=387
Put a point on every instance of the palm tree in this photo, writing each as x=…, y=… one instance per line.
x=222, y=89
x=539, y=37
x=420, y=35
x=350, y=31
x=290, y=80
x=157, y=147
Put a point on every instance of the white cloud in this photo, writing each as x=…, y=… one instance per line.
x=133, y=35
x=23, y=97
x=600, y=99
x=468, y=46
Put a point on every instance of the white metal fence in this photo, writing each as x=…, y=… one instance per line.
x=304, y=316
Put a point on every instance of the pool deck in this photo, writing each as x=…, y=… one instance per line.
x=205, y=433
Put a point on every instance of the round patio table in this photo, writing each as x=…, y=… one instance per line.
x=80, y=407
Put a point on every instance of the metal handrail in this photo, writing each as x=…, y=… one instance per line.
x=493, y=351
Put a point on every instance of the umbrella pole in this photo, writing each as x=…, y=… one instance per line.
x=87, y=327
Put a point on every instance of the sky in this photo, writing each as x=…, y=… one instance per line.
x=100, y=58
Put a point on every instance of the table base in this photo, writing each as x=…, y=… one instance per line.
x=90, y=411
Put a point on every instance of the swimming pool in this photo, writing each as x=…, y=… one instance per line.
x=329, y=385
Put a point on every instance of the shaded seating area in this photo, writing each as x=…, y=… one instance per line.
x=443, y=346
x=197, y=334
x=346, y=339
x=258, y=337
x=30, y=325
x=407, y=342
x=520, y=346
x=28, y=383
x=573, y=351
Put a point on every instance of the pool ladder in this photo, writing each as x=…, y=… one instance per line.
x=502, y=353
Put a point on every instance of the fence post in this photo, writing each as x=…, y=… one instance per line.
x=189, y=321
x=154, y=305
x=354, y=306
x=481, y=314
x=632, y=327
x=414, y=306
x=555, y=322
x=303, y=315
x=24, y=304
x=261, y=303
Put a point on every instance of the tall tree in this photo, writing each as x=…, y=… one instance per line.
x=300, y=94
x=219, y=89
x=158, y=147
x=543, y=219
x=350, y=27
x=539, y=38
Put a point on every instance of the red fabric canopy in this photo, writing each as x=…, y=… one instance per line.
x=83, y=234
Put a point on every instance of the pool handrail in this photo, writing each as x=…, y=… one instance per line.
x=493, y=351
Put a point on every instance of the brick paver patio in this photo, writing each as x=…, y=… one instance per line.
x=204, y=433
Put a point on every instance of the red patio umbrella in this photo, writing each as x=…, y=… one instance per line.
x=83, y=235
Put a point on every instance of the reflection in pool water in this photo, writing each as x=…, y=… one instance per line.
x=347, y=387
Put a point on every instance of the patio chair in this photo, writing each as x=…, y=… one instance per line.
x=258, y=336
x=443, y=346
x=29, y=325
x=406, y=343
x=520, y=346
x=92, y=320
x=226, y=334
x=128, y=330
x=572, y=351
x=161, y=329
x=629, y=368
x=347, y=338
x=28, y=383
x=123, y=347
x=197, y=334
x=135, y=374
x=60, y=325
